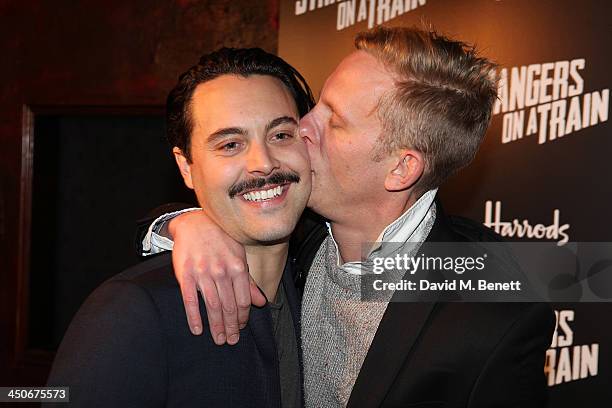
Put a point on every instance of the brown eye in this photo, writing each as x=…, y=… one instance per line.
x=230, y=146
x=283, y=136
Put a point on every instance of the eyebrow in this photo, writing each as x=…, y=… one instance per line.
x=222, y=133
x=280, y=121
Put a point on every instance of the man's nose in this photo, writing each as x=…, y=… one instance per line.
x=261, y=160
x=308, y=129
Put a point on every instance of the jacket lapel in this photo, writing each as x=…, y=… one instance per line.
x=397, y=332
x=395, y=337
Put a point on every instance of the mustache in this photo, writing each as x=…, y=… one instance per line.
x=280, y=177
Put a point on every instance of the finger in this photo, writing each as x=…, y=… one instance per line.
x=229, y=309
x=213, y=310
x=257, y=296
x=189, y=292
x=242, y=292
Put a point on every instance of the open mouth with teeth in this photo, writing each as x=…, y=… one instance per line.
x=269, y=194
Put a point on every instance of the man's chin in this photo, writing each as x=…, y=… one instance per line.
x=270, y=236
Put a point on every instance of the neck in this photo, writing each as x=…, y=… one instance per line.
x=266, y=266
x=350, y=235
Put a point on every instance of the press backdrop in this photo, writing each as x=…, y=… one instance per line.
x=546, y=158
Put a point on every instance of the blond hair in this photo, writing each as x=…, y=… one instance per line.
x=442, y=100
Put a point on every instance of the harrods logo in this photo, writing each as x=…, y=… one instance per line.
x=524, y=228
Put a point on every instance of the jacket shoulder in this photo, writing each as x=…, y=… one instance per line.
x=113, y=353
x=472, y=231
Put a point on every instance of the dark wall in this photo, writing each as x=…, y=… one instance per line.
x=67, y=57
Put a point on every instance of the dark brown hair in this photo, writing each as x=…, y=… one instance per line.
x=236, y=61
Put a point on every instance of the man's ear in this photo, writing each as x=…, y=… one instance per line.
x=407, y=168
x=184, y=166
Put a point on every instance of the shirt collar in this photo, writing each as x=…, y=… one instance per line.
x=404, y=229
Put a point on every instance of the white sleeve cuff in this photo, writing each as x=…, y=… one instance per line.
x=153, y=243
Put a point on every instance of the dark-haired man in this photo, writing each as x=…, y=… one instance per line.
x=397, y=117
x=232, y=122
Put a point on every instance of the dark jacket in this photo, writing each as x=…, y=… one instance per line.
x=130, y=346
x=441, y=354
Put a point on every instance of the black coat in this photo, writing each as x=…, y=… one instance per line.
x=130, y=346
x=441, y=354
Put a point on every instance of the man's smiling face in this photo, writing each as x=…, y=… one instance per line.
x=249, y=169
